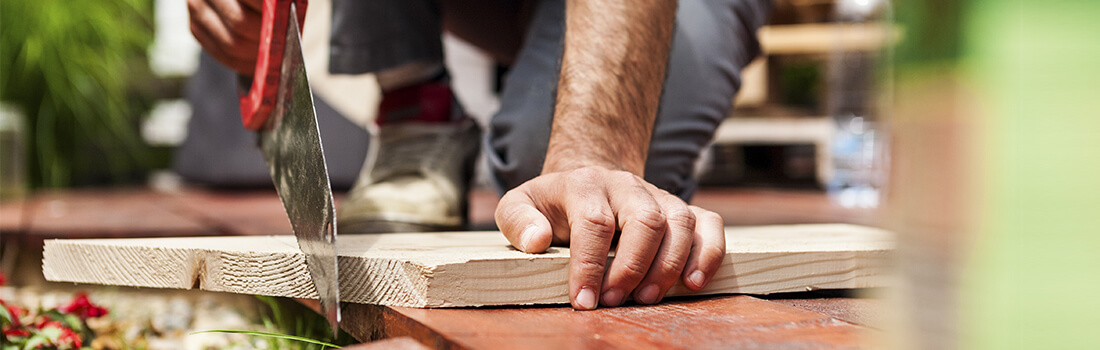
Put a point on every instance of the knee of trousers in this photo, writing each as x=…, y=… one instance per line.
x=515, y=151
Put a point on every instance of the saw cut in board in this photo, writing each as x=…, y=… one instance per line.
x=458, y=268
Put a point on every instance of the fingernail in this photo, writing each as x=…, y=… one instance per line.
x=648, y=294
x=613, y=297
x=696, y=278
x=528, y=237
x=586, y=299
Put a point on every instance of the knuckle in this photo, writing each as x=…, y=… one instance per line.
x=632, y=271
x=236, y=23
x=703, y=214
x=712, y=252
x=600, y=221
x=682, y=216
x=194, y=5
x=590, y=263
x=627, y=177
x=584, y=175
x=668, y=267
x=651, y=218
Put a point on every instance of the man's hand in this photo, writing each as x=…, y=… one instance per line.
x=591, y=186
x=662, y=238
x=229, y=30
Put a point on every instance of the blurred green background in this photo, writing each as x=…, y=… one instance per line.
x=1031, y=69
x=78, y=71
x=1034, y=272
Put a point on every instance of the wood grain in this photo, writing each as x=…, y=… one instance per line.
x=726, y=322
x=457, y=269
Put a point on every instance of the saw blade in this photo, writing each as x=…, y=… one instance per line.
x=291, y=145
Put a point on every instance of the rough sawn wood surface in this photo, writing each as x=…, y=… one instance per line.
x=460, y=268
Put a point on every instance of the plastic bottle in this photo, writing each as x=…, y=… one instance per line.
x=860, y=89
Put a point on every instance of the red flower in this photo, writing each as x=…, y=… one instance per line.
x=80, y=306
x=45, y=322
x=69, y=337
x=17, y=333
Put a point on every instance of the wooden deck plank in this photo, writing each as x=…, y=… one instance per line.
x=110, y=213
x=727, y=322
x=247, y=213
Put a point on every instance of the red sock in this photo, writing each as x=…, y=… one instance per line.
x=431, y=102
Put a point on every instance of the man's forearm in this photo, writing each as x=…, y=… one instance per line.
x=612, y=70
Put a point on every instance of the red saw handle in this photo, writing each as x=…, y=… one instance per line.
x=258, y=102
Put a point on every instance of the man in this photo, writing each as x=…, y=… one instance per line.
x=586, y=142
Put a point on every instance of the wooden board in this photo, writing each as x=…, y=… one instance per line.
x=457, y=269
x=715, y=322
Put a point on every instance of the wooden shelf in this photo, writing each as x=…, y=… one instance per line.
x=822, y=38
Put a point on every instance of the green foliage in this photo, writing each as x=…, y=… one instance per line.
x=5, y=317
x=289, y=317
x=931, y=30
x=72, y=67
x=801, y=82
x=291, y=325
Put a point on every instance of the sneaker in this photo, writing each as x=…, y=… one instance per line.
x=417, y=171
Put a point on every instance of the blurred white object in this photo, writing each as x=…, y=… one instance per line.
x=167, y=123
x=473, y=76
x=174, y=51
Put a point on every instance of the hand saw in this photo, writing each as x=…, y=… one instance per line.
x=279, y=106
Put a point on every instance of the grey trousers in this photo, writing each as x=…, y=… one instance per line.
x=713, y=40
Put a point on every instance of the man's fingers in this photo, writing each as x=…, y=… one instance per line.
x=234, y=63
x=673, y=253
x=591, y=229
x=522, y=223
x=238, y=17
x=708, y=249
x=233, y=50
x=663, y=239
x=205, y=16
x=643, y=228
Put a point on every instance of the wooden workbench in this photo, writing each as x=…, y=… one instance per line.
x=728, y=322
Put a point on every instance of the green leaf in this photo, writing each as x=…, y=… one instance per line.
x=271, y=335
x=53, y=314
x=37, y=339
x=51, y=333
x=69, y=320
x=5, y=316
